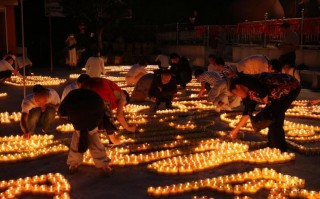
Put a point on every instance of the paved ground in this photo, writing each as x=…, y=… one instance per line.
x=131, y=182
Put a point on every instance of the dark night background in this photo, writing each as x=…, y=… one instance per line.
x=144, y=12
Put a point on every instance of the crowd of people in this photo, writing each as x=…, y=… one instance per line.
x=88, y=103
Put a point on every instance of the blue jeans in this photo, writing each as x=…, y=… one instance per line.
x=36, y=118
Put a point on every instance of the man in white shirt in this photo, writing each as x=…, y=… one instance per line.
x=38, y=109
x=163, y=61
x=75, y=85
x=95, y=65
x=253, y=64
x=136, y=72
x=6, y=69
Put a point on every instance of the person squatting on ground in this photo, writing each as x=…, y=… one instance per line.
x=277, y=91
x=38, y=109
x=85, y=109
x=181, y=68
x=141, y=89
x=6, y=69
x=75, y=85
x=207, y=79
x=136, y=72
x=163, y=88
x=115, y=99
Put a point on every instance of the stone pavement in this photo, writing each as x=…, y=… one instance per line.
x=131, y=182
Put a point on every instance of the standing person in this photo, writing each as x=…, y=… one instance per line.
x=162, y=89
x=115, y=99
x=6, y=69
x=84, y=109
x=38, y=109
x=181, y=68
x=207, y=79
x=288, y=45
x=26, y=63
x=72, y=58
x=75, y=85
x=136, y=72
x=277, y=91
x=95, y=65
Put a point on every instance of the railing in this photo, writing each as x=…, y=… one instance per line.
x=260, y=33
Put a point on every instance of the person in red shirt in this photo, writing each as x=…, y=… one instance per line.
x=114, y=98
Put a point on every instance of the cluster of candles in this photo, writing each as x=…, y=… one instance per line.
x=207, y=160
x=51, y=184
x=15, y=148
x=243, y=183
x=6, y=118
x=304, y=111
x=188, y=125
x=65, y=128
x=33, y=80
x=3, y=94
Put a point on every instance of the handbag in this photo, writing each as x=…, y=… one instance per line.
x=262, y=119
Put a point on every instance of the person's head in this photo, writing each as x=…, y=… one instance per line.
x=166, y=76
x=142, y=62
x=96, y=53
x=285, y=27
x=174, y=58
x=286, y=68
x=237, y=87
x=41, y=95
x=219, y=62
x=9, y=59
x=81, y=79
x=198, y=72
x=211, y=59
x=274, y=66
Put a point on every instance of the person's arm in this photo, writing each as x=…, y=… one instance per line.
x=202, y=89
x=241, y=123
x=314, y=102
x=120, y=116
x=23, y=124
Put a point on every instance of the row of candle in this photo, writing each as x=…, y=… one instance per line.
x=52, y=184
x=33, y=80
x=15, y=148
x=208, y=160
x=241, y=183
x=3, y=94
x=6, y=118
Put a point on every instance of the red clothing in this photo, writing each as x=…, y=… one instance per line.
x=105, y=89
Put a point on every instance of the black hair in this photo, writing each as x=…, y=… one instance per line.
x=198, y=72
x=127, y=95
x=82, y=78
x=219, y=61
x=8, y=58
x=174, y=55
x=276, y=65
x=212, y=56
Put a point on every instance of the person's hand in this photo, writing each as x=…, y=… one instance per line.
x=27, y=136
x=132, y=128
x=233, y=134
x=314, y=102
x=160, y=88
x=153, y=99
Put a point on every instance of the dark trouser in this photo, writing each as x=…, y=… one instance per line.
x=288, y=58
x=107, y=120
x=163, y=96
x=5, y=74
x=276, y=136
x=184, y=79
x=27, y=70
x=41, y=119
